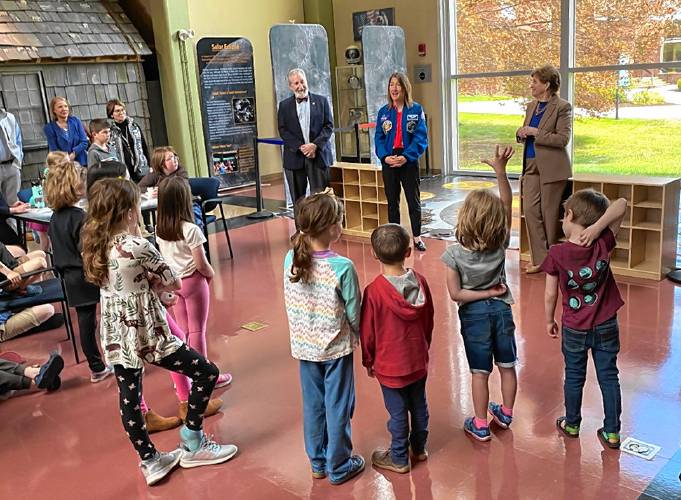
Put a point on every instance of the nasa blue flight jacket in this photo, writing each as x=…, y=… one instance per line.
x=414, y=132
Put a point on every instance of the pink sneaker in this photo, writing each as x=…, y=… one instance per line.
x=223, y=380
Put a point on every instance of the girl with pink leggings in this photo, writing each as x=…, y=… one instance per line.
x=181, y=244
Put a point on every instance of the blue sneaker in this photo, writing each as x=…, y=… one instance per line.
x=356, y=466
x=481, y=434
x=48, y=376
x=502, y=420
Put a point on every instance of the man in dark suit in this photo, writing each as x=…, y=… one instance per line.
x=305, y=125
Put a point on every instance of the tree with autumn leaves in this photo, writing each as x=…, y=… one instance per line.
x=506, y=35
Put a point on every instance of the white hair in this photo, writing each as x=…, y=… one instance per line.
x=295, y=71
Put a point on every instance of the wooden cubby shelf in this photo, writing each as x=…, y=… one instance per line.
x=646, y=241
x=364, y=197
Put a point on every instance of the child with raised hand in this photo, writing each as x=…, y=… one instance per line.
x=395, y=330
x=322, y=297
x=476, y=280
x=130, y=273
x=64, y=188
x=581, y=268
x=180, y=242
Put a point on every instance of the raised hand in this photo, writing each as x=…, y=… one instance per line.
x=501, y=157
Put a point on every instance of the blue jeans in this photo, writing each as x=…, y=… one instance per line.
x=328, y=405
x=488, y=335
x=196, y=209
x=401, y=404
x=604, y=342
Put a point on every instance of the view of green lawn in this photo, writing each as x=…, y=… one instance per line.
x=602, y=145
x=482, y=97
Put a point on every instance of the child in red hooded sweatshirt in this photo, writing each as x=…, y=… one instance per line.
x=396, y=327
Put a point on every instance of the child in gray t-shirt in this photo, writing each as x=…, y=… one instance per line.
x=99, y=150
x=476, y=280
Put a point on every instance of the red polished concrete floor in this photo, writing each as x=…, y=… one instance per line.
x=70, y=443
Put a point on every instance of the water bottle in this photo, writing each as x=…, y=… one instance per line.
x=37, y=199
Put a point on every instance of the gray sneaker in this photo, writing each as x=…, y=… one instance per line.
x=209, y=453
x=99, y=376
x=156, y=468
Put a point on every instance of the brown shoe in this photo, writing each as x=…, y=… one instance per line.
x=532, y=269
x=381, y=458
x=157, y=423
x=421, y=456
x=319, y=474
x=213, y=407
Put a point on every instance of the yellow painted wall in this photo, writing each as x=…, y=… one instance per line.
x=166, y=22
x=419, y=19
x=217, y=18
x=251, y=19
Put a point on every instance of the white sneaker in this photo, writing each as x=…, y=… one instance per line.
x=156, y=468
x=209, y=453
x=99, y=376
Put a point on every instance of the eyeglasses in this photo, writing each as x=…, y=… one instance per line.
x=173, y=158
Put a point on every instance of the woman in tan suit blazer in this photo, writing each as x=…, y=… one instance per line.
x=546, y=162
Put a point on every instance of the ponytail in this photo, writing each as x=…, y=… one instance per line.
x=314, y=215
x=301, y=268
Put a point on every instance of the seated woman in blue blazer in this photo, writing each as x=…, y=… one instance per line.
x=401, y=138
x=66, y=133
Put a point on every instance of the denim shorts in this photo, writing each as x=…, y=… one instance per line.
x=488, y=335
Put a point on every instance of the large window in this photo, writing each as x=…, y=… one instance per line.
x=496, y=35
x=620, y=62
x=489, y=111
x=626, y=129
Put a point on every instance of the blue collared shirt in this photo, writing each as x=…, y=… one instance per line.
x=534, y=122
x=5, y=153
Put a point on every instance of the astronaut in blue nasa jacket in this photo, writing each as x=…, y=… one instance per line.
x=401, y=137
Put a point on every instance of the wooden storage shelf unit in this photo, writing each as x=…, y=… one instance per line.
x=646, y=242
x=362, y=193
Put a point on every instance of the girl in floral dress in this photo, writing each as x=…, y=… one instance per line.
x=131, y=273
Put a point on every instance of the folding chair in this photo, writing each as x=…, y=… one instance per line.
x=206, y=188
x=53, y=291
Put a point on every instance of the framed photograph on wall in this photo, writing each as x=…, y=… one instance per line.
x=376, y=17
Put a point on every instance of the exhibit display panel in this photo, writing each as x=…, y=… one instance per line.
x=228, y=106
x=304, y=46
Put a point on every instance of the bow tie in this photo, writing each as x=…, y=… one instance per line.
x=301, y=99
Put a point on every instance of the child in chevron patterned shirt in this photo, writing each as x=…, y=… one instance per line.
x=322, y=299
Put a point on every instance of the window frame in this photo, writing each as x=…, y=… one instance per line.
x=567, y=68
x=36, y=144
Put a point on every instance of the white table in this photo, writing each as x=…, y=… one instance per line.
x=44, y=215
